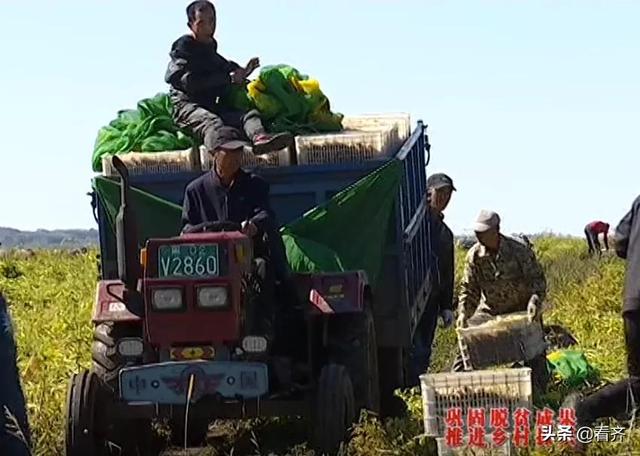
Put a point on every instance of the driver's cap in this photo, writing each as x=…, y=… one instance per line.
x=233, y=146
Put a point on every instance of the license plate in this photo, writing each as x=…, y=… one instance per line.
x=168, y=383
x=188, y=260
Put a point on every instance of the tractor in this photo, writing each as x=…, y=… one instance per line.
x=177, y=339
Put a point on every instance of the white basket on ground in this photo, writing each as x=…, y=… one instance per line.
x=250, y=160
x=508, y=388
x=348, y=146
x=155, y=162
x=465, y=450
x=371, y=122
x=514, y=337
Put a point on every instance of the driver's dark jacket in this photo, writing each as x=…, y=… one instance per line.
x=246, y=199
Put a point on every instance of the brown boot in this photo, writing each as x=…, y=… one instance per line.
x=264, y=143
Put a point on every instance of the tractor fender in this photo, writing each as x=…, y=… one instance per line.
x=339, y=292
x=108, y=304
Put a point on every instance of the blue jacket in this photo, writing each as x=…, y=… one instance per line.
x=246, y=199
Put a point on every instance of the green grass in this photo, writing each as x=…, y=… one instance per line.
x=51, y=297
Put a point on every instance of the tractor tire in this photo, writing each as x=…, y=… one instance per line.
x=90, y=433
x=335, y=410
x=353, y=345
x=107, y=362
x=85, y=434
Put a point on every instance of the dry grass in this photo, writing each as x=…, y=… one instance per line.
x=51, y=297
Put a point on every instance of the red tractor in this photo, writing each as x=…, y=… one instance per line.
x=175, y=339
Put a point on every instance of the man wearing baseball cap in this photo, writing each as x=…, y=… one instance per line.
x=228, y=193
x=440, y=302
x=501, y=276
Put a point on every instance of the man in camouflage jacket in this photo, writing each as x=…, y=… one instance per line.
x=500, y=277
x=500, y=274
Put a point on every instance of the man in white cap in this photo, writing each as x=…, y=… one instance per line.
x=500, y=277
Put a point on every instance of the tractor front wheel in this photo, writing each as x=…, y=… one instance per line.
x=335, y=409
x=85, y=431
x=107, y=362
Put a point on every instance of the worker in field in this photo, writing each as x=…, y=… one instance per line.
x=592, y=231
x=501, y=276
x=199, y=76
x=620, y=399
x=15, y=438
x=440, y=302
x=228, y=193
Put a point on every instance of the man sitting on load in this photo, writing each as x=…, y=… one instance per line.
x=199, y=76
x=501, y=276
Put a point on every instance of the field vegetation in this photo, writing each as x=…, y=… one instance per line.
x=51, y=296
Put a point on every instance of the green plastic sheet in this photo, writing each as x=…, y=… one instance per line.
x=290, y=101
x=348, y=232
x=149, y=128
x=286, y=100
x=155, y=217
x=571, y=367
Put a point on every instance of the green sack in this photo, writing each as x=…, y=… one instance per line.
x=571, y=367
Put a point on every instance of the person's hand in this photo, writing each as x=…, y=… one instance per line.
x=249, y=229
x=251, y=66
x=447, y=318
x=238, y=76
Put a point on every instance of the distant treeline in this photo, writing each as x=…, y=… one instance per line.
x=42, y=239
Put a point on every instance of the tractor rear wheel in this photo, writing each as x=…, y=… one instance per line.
x=107, y=362
x=85, y=432
x=335, y=409
x=352, y=343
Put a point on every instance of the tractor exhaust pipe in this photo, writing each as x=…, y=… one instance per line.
x=129, y=271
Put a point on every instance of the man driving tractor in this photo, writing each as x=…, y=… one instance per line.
x=199, y=77
x=229, y=194
x=500, y=277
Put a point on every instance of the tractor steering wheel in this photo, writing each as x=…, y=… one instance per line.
x=216, y=227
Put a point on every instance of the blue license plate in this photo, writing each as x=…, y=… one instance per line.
x=168, y=383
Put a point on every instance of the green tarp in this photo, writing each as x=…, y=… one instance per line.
x=155, y=217
x=286, y=99
x=346, y=233
x=350, y=230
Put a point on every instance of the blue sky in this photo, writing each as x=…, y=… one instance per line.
x=533, y=106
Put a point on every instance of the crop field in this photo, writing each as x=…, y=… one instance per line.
x=51, y=296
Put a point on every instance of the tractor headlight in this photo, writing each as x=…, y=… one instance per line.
x=254, y=344
x=166, y=298
x=130, y=347
x=213, y=297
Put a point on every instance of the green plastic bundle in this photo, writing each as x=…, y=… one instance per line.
x=572, y=367
x=290, y=101
x=286, y=100
x=149, y=128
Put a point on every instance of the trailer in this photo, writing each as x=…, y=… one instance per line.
x=375, y=327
